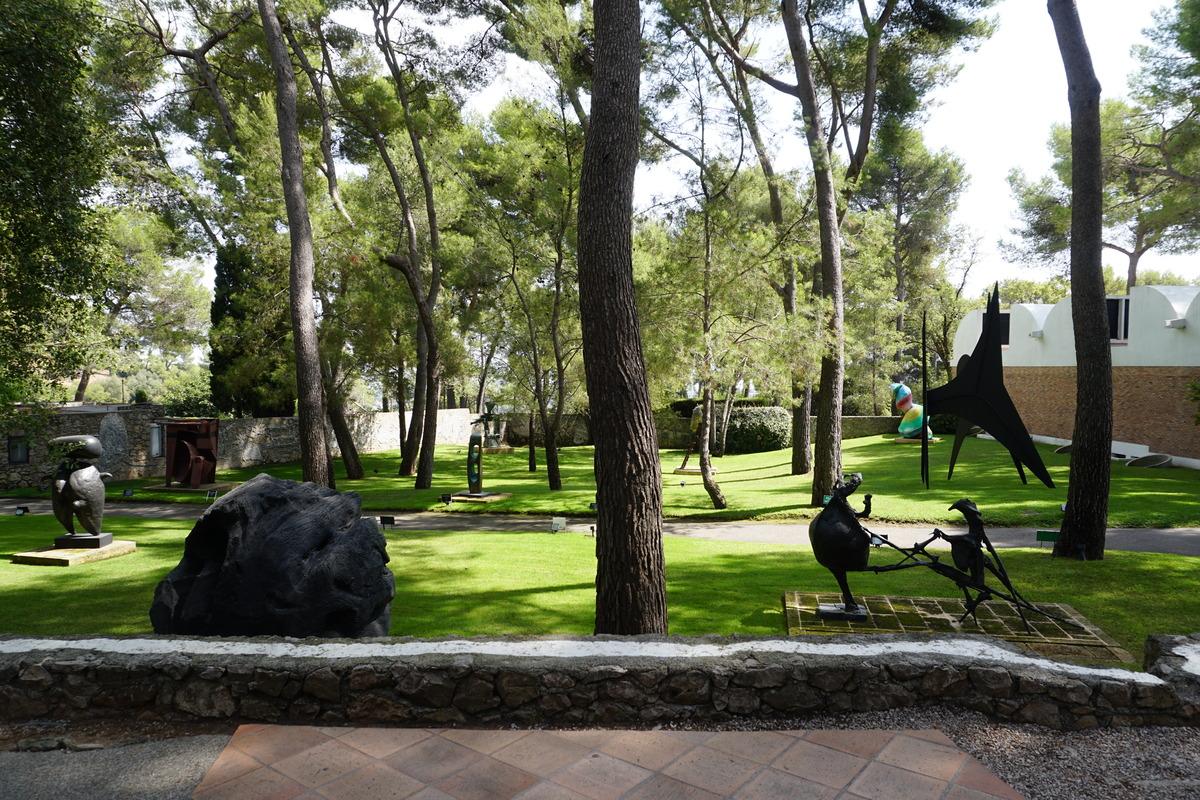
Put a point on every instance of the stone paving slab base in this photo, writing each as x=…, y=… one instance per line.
x=72, y=556
x=888, y=614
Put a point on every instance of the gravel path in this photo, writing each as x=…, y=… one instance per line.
x=1042, y=764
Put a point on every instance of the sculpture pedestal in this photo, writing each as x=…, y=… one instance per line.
x=69, y=557
x=838, y=611
x=480, y=497
x=83, y=541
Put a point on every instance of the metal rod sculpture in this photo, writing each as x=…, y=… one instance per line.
x=841, y=544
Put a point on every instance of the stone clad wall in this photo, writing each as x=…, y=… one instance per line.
x=124, y=434
x=566, y=681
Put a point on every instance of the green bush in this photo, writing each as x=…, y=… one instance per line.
x=758, y=430
x=943, y=424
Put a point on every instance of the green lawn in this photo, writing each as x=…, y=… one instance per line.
x=760, y=486
x=543, y=583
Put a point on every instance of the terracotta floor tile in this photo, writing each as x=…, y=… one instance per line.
x=771, y=784
x=382, y=742
x=975, y=775
x=430, y=793
x=695, y=737
x=547, y=790
x=824, y=765
x=593, y=740
x=712, y=770
x=963, y=793
x=375, y=781
x=232, y=763
x=759, y=746
x=432, y=759
x=885, y=782
x=263, y=783
x=486, y=742
x=246, y=730
x=649, y=749
x=277, y=742
x=660, y=787
x=861, y=743
x=319, y=765
x=487, y=779
x=542, y=753
x=927, y=758
x=601, y=777
x=935, y=736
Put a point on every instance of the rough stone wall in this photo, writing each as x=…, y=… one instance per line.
x=566, y=681
x=1150, y=405
x=124, y=435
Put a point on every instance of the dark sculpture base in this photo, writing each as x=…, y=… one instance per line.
x=82, y=541
x=838, y=611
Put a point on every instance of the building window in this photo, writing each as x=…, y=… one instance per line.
x=156, y=440
x=1118, y=318
x=18, y=450
x=1003, y=321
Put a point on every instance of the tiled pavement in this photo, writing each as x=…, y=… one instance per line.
x=269, y=762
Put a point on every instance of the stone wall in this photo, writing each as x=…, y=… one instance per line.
x=124, y=433
x=674, y=431
x=1150, y=405
x=567, y=681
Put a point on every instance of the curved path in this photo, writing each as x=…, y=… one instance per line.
x=1174, y=541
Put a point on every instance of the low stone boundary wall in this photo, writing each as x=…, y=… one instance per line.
x=566, y=681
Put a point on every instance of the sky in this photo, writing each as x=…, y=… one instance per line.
x=998, y=113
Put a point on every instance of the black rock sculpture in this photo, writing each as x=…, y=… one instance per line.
x=78, y=491
x=279, y=558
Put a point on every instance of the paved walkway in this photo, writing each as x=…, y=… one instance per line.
x=266, y=761
x=1176, y=541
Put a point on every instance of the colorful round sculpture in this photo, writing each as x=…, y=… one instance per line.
x=912, y=424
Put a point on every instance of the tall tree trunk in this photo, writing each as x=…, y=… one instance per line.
x=314, y=445
x=631, y=593
x=532, y=446
x=412, y=439
x=705, y=456
x=801, y=427
x=433, y=390
x=85, y=377
x=828, y=461
x=1086, y=520
x=336, y=408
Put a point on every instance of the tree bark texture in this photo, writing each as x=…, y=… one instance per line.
x=1085, y=522
x=630, y=577
x=827, y=466
x=314, y=444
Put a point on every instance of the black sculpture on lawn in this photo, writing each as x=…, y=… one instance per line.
x=977, y=395
x=77, y=490
x=842, y=544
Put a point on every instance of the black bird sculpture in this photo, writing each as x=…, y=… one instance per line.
x=839, y=541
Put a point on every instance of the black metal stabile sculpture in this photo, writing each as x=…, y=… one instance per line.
x=77, y=490
x=842, y=544
x=978, y=395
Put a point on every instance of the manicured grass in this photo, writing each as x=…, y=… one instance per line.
x=541, y=583
x=760, y=486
